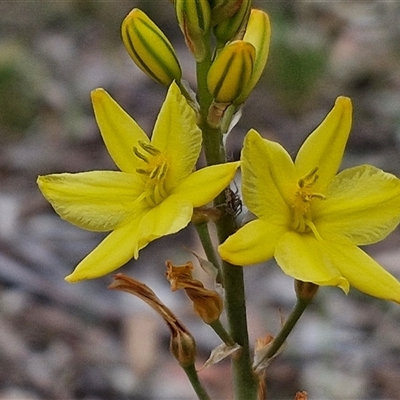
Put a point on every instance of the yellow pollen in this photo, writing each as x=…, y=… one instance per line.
x=303, y=198
x=154, y=171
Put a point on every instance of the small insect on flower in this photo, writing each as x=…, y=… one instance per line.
x=233, y=205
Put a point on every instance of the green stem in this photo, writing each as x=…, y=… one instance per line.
x=222, y=333
x=191, y=373
x=290, y=323
x=212, y=137
x=204, y=235
x=244, y=379
x=235, y=305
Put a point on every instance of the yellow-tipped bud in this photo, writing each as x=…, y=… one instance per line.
x=149, y=48
x=233, y=28
x=231, y=71
x=194, y=19
x=258, y=33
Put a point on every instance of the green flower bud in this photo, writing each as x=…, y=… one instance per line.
x=149, y=48
x=258, y=33
x=231, y=71
x=223, y=9
x=194, y=19
x=233, y=28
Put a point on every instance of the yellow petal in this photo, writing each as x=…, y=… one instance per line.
x=177, y=135
x=253, y=243
x=363, y=272
x=202, y=186
x=324, y=148
x=119, y=131
x=112, y=253
x=96, y=200
x=170, y=216
x=304, y=258
x=268, y=178
x=362, y=204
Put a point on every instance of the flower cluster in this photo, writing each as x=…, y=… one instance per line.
x=304, y=213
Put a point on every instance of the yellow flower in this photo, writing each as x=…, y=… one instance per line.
x=312, y=219
x=154, y=193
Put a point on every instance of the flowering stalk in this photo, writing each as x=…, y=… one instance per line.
x=306, y=215
x=204, y=235
x=244, y=379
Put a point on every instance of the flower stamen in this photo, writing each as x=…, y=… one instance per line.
x=154, y=173
x=303, y=198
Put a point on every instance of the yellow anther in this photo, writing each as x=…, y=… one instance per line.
x=149, y=148
x=154, y=172
x=140, y=155
x=303, y=198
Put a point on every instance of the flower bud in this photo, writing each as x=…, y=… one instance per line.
x=194, y=19
x=258, y=33
x=223, y=9
x=231, y=71
x=233, y=28
x=149, y=48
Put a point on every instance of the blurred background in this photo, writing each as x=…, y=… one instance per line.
x=61, y=341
